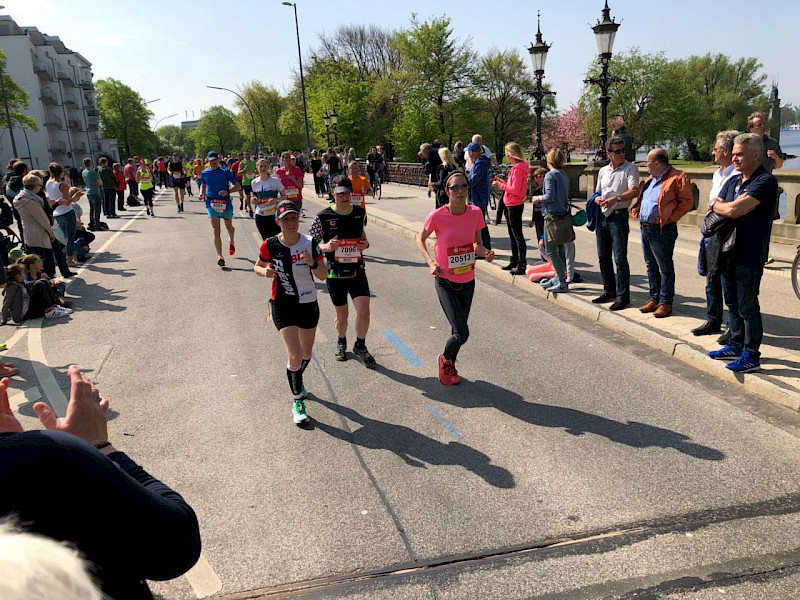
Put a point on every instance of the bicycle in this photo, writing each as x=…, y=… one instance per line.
x=796, y=273
x=378, y=189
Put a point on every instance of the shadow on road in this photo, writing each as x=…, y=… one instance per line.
x=482, y=394
x=91, y=296
x=415, y=449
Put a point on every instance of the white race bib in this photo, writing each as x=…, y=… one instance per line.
x=348, y=251
x=266, y=206
x=461, y=259
x=219, y=205
x=358, y=199
x=292, y=192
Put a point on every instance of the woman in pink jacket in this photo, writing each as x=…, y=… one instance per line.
x=516, y=188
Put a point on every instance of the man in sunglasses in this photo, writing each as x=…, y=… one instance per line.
x=618, y=185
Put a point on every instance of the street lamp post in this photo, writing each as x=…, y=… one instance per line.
x=156, y=126
x=538, y=52
x=327, y=118
x=252, y=118
x=604, y=32
x=335, y=120
x=302, y=79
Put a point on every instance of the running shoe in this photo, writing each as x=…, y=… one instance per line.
x=454, y=377
x=299, y=412
x=446, y=370
x=152, y=213
x=727, y=352
x=365, y=357
x=744, y=364
x=56, y=312
x=231, y=249
x=221, y=261
x=251, y=213
x=241, y=205
x=341, y=352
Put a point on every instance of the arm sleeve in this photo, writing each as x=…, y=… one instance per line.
x=633, y=178
x=685, y=197
x=232, y=178
x=316, y=253
x=316, y=230
x=263, y=252
x=549, y=189
x=517, y=183
x=430, y=225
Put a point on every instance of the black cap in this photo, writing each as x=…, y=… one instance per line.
x=342, y=180
x=284, y=208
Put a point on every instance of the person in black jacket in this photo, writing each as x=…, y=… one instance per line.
x=447, y=166
x=128, y=524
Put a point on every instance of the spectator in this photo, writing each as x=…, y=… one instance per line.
x=319, y=178
x=351, y=155
x=161, y=167
x=375, y=163
x=109, y=180
x=516, y=190
x=538, y=189
x=430, y=163
x=94, y=193
x=130, y=178
x=478, y=139
x=38, y=230
x=58, y=248
x=459, y=155
x=20, y=304
x=618, y=185
x=480, y=188
x=129, y=525
x=121, y=186
x=58, y=195
x=437, y=185
x=749, y=198
x=622, y=133
x=333, y=168
x=35, y=566
x=665, y=197
x=723, y=156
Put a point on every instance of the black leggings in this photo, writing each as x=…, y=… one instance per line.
x=319, y=184
x=456, y=300
x=519, y=247
x=42, y=297
x=267, y=226
x=120, y=199
x=148, y=197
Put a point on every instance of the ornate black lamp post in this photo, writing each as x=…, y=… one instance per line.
x=538, y=52
x=604, y=33
x=334, y=121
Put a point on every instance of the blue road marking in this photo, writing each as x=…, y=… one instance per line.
x=447, y=424
x=404, y=350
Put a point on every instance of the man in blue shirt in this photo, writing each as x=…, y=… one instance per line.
x=94, y=192
x=480, y=187
x=749, y=198
x=215, y=189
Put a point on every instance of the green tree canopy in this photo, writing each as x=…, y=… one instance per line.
x=17, y=99
x=125, y=117
x=216, y=130
x=174, y=138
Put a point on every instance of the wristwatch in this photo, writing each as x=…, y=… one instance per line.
x=711, y=204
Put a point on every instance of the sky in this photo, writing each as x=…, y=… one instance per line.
x=171, y=50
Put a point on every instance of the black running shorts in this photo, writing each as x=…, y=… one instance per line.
x=294, y=314
x=179, y=183
x=355, y=286
x=248, y=189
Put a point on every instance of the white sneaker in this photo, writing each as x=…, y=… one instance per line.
x=56, y=312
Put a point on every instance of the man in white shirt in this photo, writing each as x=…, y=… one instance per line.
x=723, y=156
x=478, y=138
x=618, y=186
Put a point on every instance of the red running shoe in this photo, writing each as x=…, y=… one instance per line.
x=447, y=372
x=231, y=249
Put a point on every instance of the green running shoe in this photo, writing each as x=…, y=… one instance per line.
x=299, y=412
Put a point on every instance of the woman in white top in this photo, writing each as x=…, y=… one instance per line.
x=269, y=191
x=58, y=195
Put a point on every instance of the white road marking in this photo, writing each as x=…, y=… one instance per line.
x=23, y=397
x=203, y=579
x=18, y=335
x=47, y=381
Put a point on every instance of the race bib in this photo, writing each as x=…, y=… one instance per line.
x=461, y=259
x=219, y=205
x=292, y=192
x=250, y=175
x=266, y=206
x=177, y=176
x=358, y=199
x=348, y=251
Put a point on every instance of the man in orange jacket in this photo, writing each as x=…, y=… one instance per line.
x=665, y=197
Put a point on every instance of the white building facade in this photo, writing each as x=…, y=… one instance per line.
x=60, y=97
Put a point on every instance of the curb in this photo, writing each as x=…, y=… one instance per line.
x=671, y=346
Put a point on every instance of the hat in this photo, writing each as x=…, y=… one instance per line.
x=284, y=208
x=212, y=155
x=342, y=183
x=474, y=147
x=15, y=255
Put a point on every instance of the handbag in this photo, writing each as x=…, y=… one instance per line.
x=558, y=229
x=580, y=217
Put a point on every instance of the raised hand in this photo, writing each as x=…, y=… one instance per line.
x=8, y=422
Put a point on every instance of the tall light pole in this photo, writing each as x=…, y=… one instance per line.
x=302, y=79
x=327, y=118
x=604, y=32
x=163, y=118
x=335, y=120
x=538, y=52
x=250, y=110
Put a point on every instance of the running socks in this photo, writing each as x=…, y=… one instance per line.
x=361, y=343
x=295, y=377
x=342, y=341
x=304, y=364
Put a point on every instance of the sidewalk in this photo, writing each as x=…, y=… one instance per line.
x=403, y=209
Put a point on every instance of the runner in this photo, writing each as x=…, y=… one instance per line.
x=458, y=241
x=247, y=172
x=196, y=170
x=292, y=179
x=340, y=231
x=161, y=166
x=361, y=186
x=144, y=179
x=269, y=192
x=175, y=168
x=233, y=166
x=187, y=175
x=290, y=258
x=215, y=190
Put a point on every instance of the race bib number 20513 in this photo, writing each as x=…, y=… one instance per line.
x=461, y=259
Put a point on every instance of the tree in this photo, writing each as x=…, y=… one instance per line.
x=216, y=130
x=174, y=138
x=17, y=99
x=368, y=47
x=789, y=115
x=267, y=104
x=125, y=117
x=435, y=67
x=566, y=131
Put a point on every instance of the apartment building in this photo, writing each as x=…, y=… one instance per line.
x=61, y=98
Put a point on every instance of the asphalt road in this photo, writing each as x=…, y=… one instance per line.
x=570, y=463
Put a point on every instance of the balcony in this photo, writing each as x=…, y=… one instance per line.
x=92, y=127
x=53, y=121
x=70, y=100
x=84, y=83
x=58, y=147
x=91, y=112
x=78, y=147
x=74, y=124
x=41, y=69
x=64, y=74
x=48, y=97
x=88, y=101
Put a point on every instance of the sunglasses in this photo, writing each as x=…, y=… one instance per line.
x=618, y=151
x=458, y=188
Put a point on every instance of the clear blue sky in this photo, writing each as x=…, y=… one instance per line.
x=172, y=50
